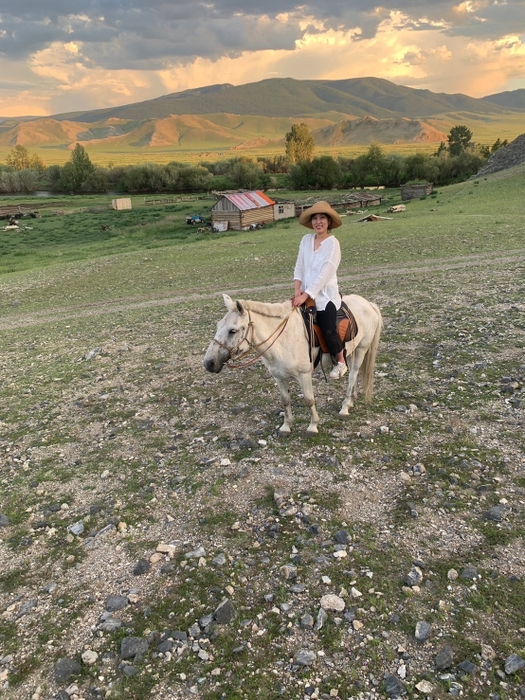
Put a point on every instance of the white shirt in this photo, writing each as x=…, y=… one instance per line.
x=317, y=270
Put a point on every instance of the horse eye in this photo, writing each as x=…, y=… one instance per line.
x=233, y=331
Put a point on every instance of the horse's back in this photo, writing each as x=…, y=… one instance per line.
x=366, y=314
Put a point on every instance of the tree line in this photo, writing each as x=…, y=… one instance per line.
x=454, y=161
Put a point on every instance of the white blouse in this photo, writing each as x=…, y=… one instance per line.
x=317, y=270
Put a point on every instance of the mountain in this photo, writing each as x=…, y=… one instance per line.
x=286, y=97
x=514, y=99
x=255, y=115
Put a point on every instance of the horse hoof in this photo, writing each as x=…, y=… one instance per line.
x=284, y=432
x=312, y=431
x=344, y=412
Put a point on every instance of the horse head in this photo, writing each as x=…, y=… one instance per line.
x=231, y=337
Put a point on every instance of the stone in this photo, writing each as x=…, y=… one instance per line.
x=422, y=632
x=130, y=647
x=304, y=657
x=444, y=658
x=65, y=669
x=414, y=577
x=513, y=663
x=141, y=567
x=332, y=602
x=89, y=657
x=307, y=621
x=342, y=537
x=289, y=572
x=225, y=612
x=116, y=602
x=76, y=529
x=468, y=667
x=4, y=520
x=497, y=513
x=470, y=572
x=393, y=686
x=425, y=687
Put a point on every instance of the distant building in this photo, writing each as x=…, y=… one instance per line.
x=121, y=203
x=242, y=210
x=283, y=210
x=416, y=191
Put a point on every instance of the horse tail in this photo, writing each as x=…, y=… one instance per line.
x=368, y=366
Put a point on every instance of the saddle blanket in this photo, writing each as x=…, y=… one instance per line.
x=346, y=325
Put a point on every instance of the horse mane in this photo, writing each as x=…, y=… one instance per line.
x=280, y=310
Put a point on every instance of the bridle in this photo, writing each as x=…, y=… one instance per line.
x=236, y=353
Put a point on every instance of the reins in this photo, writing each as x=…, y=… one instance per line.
x=252, y=348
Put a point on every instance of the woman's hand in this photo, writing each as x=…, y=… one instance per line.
x=299, y=299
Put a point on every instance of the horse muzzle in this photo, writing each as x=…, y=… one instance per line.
x=213, y=364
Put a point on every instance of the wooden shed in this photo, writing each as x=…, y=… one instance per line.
x=416, y=191
x=243, y=210
x=283, y=210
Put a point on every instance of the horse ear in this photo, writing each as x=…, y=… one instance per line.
x=230, y=304
x=240, y=307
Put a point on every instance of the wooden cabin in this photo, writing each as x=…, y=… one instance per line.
x=242, y=210
x=416, y=191
x=283, y=210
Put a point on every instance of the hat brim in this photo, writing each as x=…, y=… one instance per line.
x=320, y=208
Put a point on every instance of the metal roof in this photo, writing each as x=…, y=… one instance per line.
x=249, y=200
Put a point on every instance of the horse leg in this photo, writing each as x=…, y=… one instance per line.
x=305, y=382
x=283, y=385
x=354, y=363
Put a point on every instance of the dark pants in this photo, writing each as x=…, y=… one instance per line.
x=326, y=320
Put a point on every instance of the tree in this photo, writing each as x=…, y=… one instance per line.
x=374, y=162
x=299, y=143
x=459, y=140
x=18, y=158
x=81, y=167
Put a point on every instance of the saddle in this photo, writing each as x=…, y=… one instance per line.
x=345, y=322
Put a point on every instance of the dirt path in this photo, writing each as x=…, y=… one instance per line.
x=388, y=270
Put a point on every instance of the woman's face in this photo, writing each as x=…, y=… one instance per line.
x=321, y=222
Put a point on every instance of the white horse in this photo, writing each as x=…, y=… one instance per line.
x=276, y=334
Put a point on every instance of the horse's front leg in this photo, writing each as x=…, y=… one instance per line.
x=283, y=385
x=354, y=363
x=305, y=382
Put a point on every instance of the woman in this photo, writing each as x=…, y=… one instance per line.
x=315, y=276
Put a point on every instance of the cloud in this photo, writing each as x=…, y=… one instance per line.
x=98, y=53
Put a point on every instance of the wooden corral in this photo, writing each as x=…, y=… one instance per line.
x=343, y=202
x=16, y=211
x=416, y=191
x=243, y=210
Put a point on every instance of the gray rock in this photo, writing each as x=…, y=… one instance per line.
x=129, y=670
x=116, y=602
x=470, y=572
x=468, y=667
x=141, y=567
x=77, y=528
x=497, y=513
x=322, y=617
x=342, y=537
x=62, y=695
x=444, y=658
x=422, y=631
x=131, y=647
x=307, y=621
x=304, y=657
x=225, y=612
x=414, y=577
x=513, y=663
x=393, y=686
x=112, y=624
x=65, y=669
x=220, y=560
x=4, y=520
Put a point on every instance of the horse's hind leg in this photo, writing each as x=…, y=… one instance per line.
x=283, y=385
x=354, y=363
x=305, y=382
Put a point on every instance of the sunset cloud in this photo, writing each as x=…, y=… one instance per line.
x=73, y=56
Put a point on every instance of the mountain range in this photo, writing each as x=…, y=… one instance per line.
x=256, y=115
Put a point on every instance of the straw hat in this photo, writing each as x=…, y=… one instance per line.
x=320, y=208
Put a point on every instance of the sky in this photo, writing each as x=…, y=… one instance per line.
x=61, y=56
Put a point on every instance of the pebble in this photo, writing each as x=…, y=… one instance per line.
x=513, y=663
x=422, y=632
x=332, y=602
x=304, y=657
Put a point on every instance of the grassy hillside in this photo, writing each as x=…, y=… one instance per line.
x=149, y=505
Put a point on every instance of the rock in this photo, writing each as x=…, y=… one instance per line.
x=304, y=657
x=322, y=617
x=196, y=553
x=89, y=657
x=425, y=687
x=116, y=602
x=393, y=686
x=91, y=354
x=4, y=520
x=470, y=572
x=129, y=670
x=513, y=663
x=414, y=577
x=332, y=602
x=444, y=658
x=468, y=667
x=497, y=513
x=141, y=567
x=220, y=560
x=131, y=647
x=225, y=612
x=65, y=669
x=422, y=631
x=342, y=537
x=76, y=529
x=289, y=571
x=307, y=621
